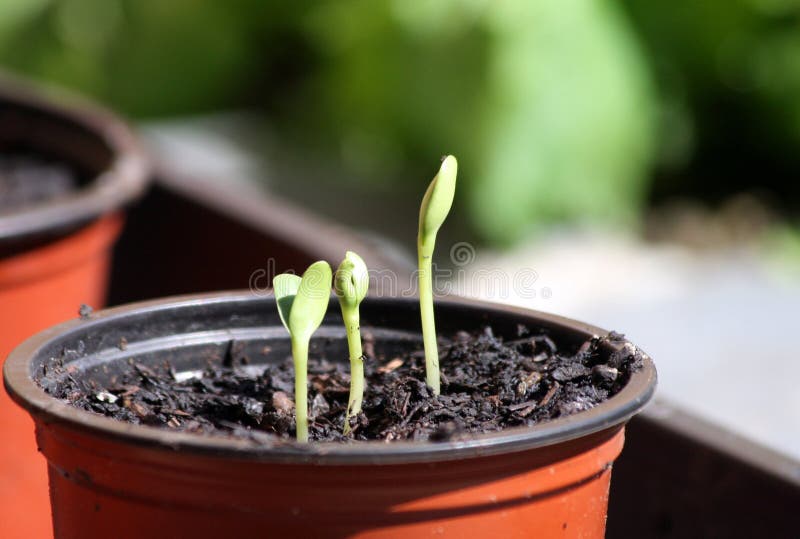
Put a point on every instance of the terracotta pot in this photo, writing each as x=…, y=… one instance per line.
x=54, y=256
x=113, y=479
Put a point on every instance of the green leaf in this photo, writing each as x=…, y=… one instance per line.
x=286, y=286
x=311, y=300
x=437, y=200
x=351, y=280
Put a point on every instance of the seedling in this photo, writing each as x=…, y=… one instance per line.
x=351, y=282
x=434, y=209
x=302, y=303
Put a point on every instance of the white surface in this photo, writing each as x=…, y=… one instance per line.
x=721, y=327
x=211, y=146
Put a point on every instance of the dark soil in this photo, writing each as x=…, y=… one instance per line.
x=487, y=385
x=25, y=181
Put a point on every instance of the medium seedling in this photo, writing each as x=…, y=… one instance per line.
x=351, y=283
x=302, y=303
x=434, y=209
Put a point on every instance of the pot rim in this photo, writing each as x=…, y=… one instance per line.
x=606, y=416
x=124, y=180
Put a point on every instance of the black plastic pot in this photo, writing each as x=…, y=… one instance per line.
x=116, y=479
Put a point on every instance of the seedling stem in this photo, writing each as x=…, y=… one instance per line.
x=434, y=209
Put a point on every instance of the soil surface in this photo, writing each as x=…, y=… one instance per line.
x=26, y=180
x=487, y=385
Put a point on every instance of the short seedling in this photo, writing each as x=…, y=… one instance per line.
x=351, y=283
x=302, y=303
x=434, y=209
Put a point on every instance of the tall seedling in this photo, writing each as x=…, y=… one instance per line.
x=434, y=209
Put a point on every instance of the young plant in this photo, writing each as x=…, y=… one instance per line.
x=351, y=282
x=302, y=303
x=434, y=209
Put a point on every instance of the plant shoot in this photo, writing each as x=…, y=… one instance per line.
x=302, y=303
x=351, y=282
x=434, y=209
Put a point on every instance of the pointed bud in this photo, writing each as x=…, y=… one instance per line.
x=438, y=200
x=351, y=280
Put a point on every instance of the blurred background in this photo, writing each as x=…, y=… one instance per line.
x=641, y=158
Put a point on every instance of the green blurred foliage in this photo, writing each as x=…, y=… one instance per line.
x=728, y=73
x=144, y=57
x=547, y=104
x=570, y=117
x=782, y=249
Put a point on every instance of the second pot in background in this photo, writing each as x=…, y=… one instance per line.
x=55, y=255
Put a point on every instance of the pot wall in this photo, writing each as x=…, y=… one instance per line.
x=101, y=488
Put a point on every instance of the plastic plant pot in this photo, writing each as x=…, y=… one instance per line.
x=114, y=479
x=54, y=256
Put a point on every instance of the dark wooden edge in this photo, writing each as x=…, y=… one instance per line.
x=189, y=235
x=682, y=476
